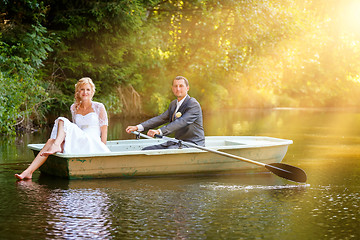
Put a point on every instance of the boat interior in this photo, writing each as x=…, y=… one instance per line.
x=211, y=142
x=214, y=142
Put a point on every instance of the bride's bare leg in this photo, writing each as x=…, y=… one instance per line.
x=60, y=137
x=37, y=162
x=49, y=148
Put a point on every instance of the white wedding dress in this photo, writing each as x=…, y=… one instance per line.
x=83, y=135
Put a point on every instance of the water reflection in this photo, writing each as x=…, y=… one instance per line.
x=79, y=214
x=223, y=206
x=243, y=206
x=70, y=214
x=247, y=188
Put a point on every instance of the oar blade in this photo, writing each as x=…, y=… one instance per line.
x=287, y=171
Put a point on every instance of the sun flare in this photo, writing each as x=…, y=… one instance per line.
x=351, y=15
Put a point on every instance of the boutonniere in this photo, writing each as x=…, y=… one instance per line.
x=178, y=114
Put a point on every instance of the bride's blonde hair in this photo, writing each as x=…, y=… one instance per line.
x=78, y=85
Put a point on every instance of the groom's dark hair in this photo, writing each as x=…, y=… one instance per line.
x=182, y=78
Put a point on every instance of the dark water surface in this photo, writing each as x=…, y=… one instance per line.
x=243, y=206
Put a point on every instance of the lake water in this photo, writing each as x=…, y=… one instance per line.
x=242, y=206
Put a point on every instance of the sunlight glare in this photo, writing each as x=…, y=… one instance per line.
x=351, y=15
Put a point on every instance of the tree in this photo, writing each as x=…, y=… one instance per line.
x=24, y=45
x=246, y=53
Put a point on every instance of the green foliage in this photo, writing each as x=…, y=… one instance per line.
x=112, y=103
x=162, y=103
x=97, y=41
x=218, y=46
x=20, y=102
x=22, y=52
x=262, y=53
x=26, y=54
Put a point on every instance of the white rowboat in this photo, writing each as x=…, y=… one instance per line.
x=126, y=158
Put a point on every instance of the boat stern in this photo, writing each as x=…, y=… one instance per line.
x=54, y=165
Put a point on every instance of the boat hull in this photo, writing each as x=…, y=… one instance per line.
x=128, y=160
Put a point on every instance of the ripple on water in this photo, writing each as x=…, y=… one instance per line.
x=254, y=187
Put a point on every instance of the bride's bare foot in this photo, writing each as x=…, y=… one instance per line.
x=54, y=148
x=23, y=176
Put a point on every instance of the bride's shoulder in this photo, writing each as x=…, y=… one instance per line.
x=72, y=107
x=98, y=105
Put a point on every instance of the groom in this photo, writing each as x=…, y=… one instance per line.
x=184, y=118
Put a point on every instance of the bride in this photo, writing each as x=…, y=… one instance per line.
x=87, y=133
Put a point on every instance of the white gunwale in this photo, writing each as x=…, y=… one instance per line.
x=127, y=159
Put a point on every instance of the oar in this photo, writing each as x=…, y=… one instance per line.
x=280, y=169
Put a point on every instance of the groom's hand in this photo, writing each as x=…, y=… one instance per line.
x=130, y=129
x=152, y=132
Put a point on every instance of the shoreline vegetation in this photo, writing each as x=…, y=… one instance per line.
x=237, y=54
x=143, y=116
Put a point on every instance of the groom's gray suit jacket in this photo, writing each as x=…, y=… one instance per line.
x=188, y=127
